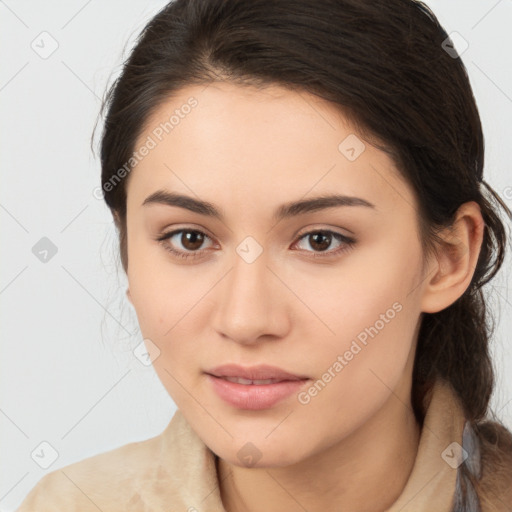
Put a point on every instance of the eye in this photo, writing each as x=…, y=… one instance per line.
x=321, y=239
x=190, y=239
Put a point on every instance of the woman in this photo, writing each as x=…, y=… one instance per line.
x=298, y=188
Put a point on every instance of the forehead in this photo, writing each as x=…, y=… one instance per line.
x=258, y=145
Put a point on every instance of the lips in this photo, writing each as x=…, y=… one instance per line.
x=254, y=388
x=254, y=374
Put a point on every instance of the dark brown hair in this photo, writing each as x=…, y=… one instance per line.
x=384, y=65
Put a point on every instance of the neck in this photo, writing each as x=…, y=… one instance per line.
x=365, y=471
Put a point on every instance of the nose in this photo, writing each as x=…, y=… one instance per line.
x=251, y=303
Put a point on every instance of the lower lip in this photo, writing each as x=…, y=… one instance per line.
x=254, y=396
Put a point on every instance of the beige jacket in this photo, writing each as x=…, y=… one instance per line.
x=175, y=471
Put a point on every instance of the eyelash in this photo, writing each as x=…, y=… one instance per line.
x=348, y=243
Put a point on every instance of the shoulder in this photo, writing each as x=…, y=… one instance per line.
x=130, y=477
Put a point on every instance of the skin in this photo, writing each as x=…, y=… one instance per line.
x=248, y=151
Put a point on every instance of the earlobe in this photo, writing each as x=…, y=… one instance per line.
x=455, y=260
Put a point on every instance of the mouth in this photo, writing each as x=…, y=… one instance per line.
x=256, y=387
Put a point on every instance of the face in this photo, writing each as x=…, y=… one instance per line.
x=326, y=295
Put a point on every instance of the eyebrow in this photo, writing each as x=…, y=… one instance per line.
x=286, y=210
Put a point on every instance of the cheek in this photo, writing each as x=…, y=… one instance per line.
x=167, y=300
x=356, y=373
x=374, y=279
x=164, y=306
x=369, y=317
x=164, y=318
x=160, y=290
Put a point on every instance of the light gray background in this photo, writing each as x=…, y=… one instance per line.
x=68, y=374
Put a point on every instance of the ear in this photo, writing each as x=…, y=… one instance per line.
x=454, y=265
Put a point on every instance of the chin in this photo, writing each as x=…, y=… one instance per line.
x=260, y=455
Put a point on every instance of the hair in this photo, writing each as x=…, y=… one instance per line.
x=383, y=64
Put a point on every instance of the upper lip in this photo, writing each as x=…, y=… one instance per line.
x=259, y=372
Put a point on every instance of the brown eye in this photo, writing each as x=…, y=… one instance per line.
x=191, y=240
x=319, y=241
x=184, y=243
